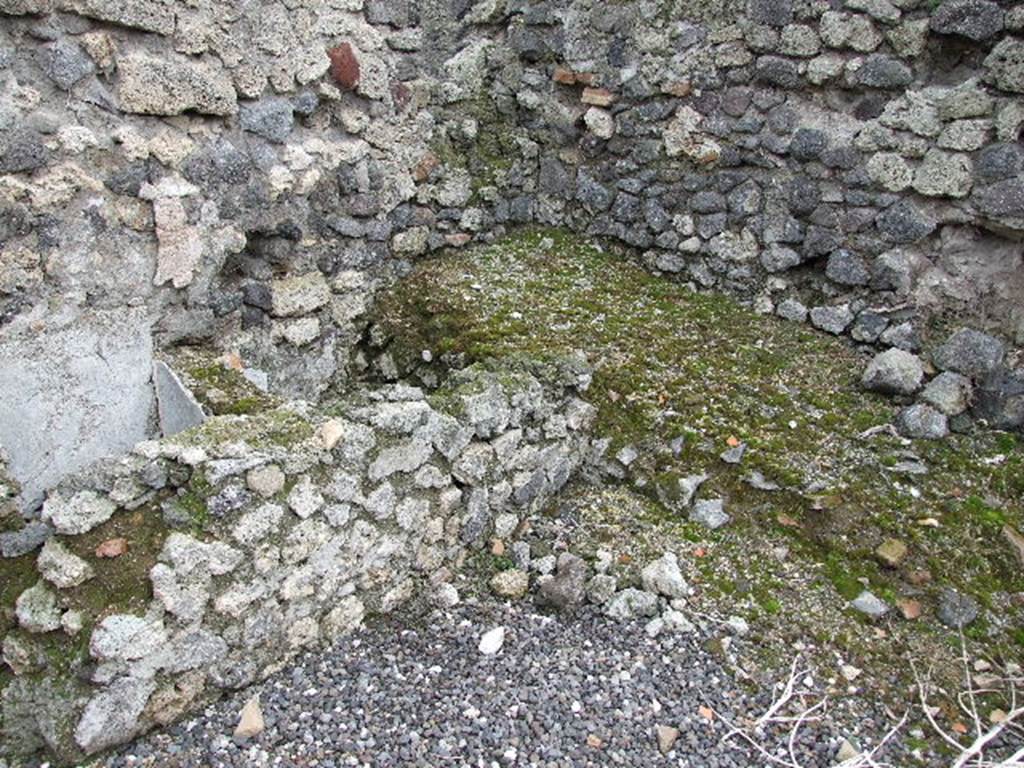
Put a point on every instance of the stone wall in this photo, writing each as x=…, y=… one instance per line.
x=860, y=161
x=247, y=180
x=206, y=560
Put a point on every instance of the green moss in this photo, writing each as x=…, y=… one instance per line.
x=121, y=584
x=668, y=362
x=221, y=389
x=267, y=429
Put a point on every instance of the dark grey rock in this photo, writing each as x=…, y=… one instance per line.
x=971, y=353
x=884, y=72
x=29, y=538
x=595, y=196
x=775, y=70
x=868, y=326
x=847, y=268
x=777, y=258
x=999, y=399
x=708, y=201
x=974, y=19
x=567, y=588
x=21, y=151
x=997, y=162
x=772, y=13
x=808, y=144
x=271, y=118
x=902, y=222
x=902, y=336
x=66, y=64
x=1002, y=200
x=956, y=610
x=217, y=163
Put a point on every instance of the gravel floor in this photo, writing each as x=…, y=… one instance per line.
x=580, y=691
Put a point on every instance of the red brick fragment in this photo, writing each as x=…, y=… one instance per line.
x=598, y=97
x=344, y=66
x=564, y=76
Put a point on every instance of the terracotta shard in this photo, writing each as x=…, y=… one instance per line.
x=344, y=66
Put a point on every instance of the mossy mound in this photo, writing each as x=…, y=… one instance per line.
x=681, y=376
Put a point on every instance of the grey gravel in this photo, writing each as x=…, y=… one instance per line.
x=420, y=693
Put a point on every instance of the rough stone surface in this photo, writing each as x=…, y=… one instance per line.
x=922, y=421
x=969, y=352
x=79, y=513
x=894, y=372
x=156, y=86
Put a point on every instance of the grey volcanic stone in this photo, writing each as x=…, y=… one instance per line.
x=710, y=513
x=66, y=64
x=997, y=162
x=631, y=603
x=999, y=399
x=36, y=609
x=21, y=151
x=870, y=605
x=79, y=513
x=791, y=309
x=885, y=72
x=902, y=222
x=771, y=13
x=970, y=352
x=808, y=144
x=111, y=717
x=775, y=70
x=21, y=542
x=920, y=421
x=894, y=372
x=1003, y=201
x=567, y=588
x=594, y=195
x=832, y=320
x=949, y=393
x=869, y=326
x=974, y=19
x=847, y=268
x=61, y=567
x=663, y=577
x=270, y=118
x=956, y=610
x=778, y=258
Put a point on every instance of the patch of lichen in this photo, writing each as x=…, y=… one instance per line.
x=669, y=363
